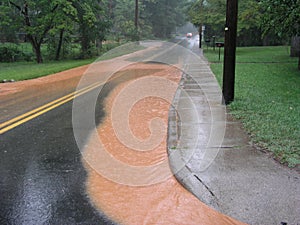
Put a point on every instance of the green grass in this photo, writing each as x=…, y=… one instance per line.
x=29, y=70
x=267, y=98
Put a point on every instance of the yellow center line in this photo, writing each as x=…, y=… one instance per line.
x=10, y=124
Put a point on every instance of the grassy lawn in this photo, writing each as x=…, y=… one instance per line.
x=29, y=70
x=267, y=98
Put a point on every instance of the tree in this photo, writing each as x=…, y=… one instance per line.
x=64, y=25
x=93, y=22
x=249, y=31
x=210, y=13
x=8, y=28
x=104, y=22
x=124, y=19
x=38, y=17
x=163, y=16
x=86, y=17
x=283, y=17
x=154, y=18
x=50, y=21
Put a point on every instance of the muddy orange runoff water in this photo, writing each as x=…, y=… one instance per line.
x=163, y=200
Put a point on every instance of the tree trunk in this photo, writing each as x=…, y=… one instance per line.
x=84, y=45
x=38, y=53
x=36, y=48
x=61, y=35
x=295, y=46
x=36, y=45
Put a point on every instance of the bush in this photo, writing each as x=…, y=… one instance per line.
x=13, y=54
x=9, y=54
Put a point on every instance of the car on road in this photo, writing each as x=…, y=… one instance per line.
x=189, y=35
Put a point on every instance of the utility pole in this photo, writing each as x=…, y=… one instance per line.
x=200, y=36
x=136, y=19
x=230, y=51
x=200, y=26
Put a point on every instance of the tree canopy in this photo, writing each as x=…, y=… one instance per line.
x=283, y=18
x=42, y=19
x=87, y=22
x=260, y=22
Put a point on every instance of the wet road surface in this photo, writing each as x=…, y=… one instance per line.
x=22, y=96
x=138, y=187
x=42, y=174
x=45, y=181
x=42, y=177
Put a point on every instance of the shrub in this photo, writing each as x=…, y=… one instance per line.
x=13, y=54
x=9, y=54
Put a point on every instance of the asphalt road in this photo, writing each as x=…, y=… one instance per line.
x=42, y=176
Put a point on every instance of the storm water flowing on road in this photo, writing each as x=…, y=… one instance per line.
x=73, y=156
x=147, y=192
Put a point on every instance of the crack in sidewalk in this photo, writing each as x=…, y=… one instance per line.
x=209, y=190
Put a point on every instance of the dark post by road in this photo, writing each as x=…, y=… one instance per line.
x=136, y=19
x=230, y=51
x=200, y=36
x=200, y=25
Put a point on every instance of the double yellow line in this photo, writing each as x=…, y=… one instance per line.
x=10, y=124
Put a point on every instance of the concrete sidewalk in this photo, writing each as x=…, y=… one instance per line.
x=212, y=156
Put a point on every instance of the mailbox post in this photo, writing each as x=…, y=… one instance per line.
x=219, y=45
x=214, y=42
x=207, y=41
